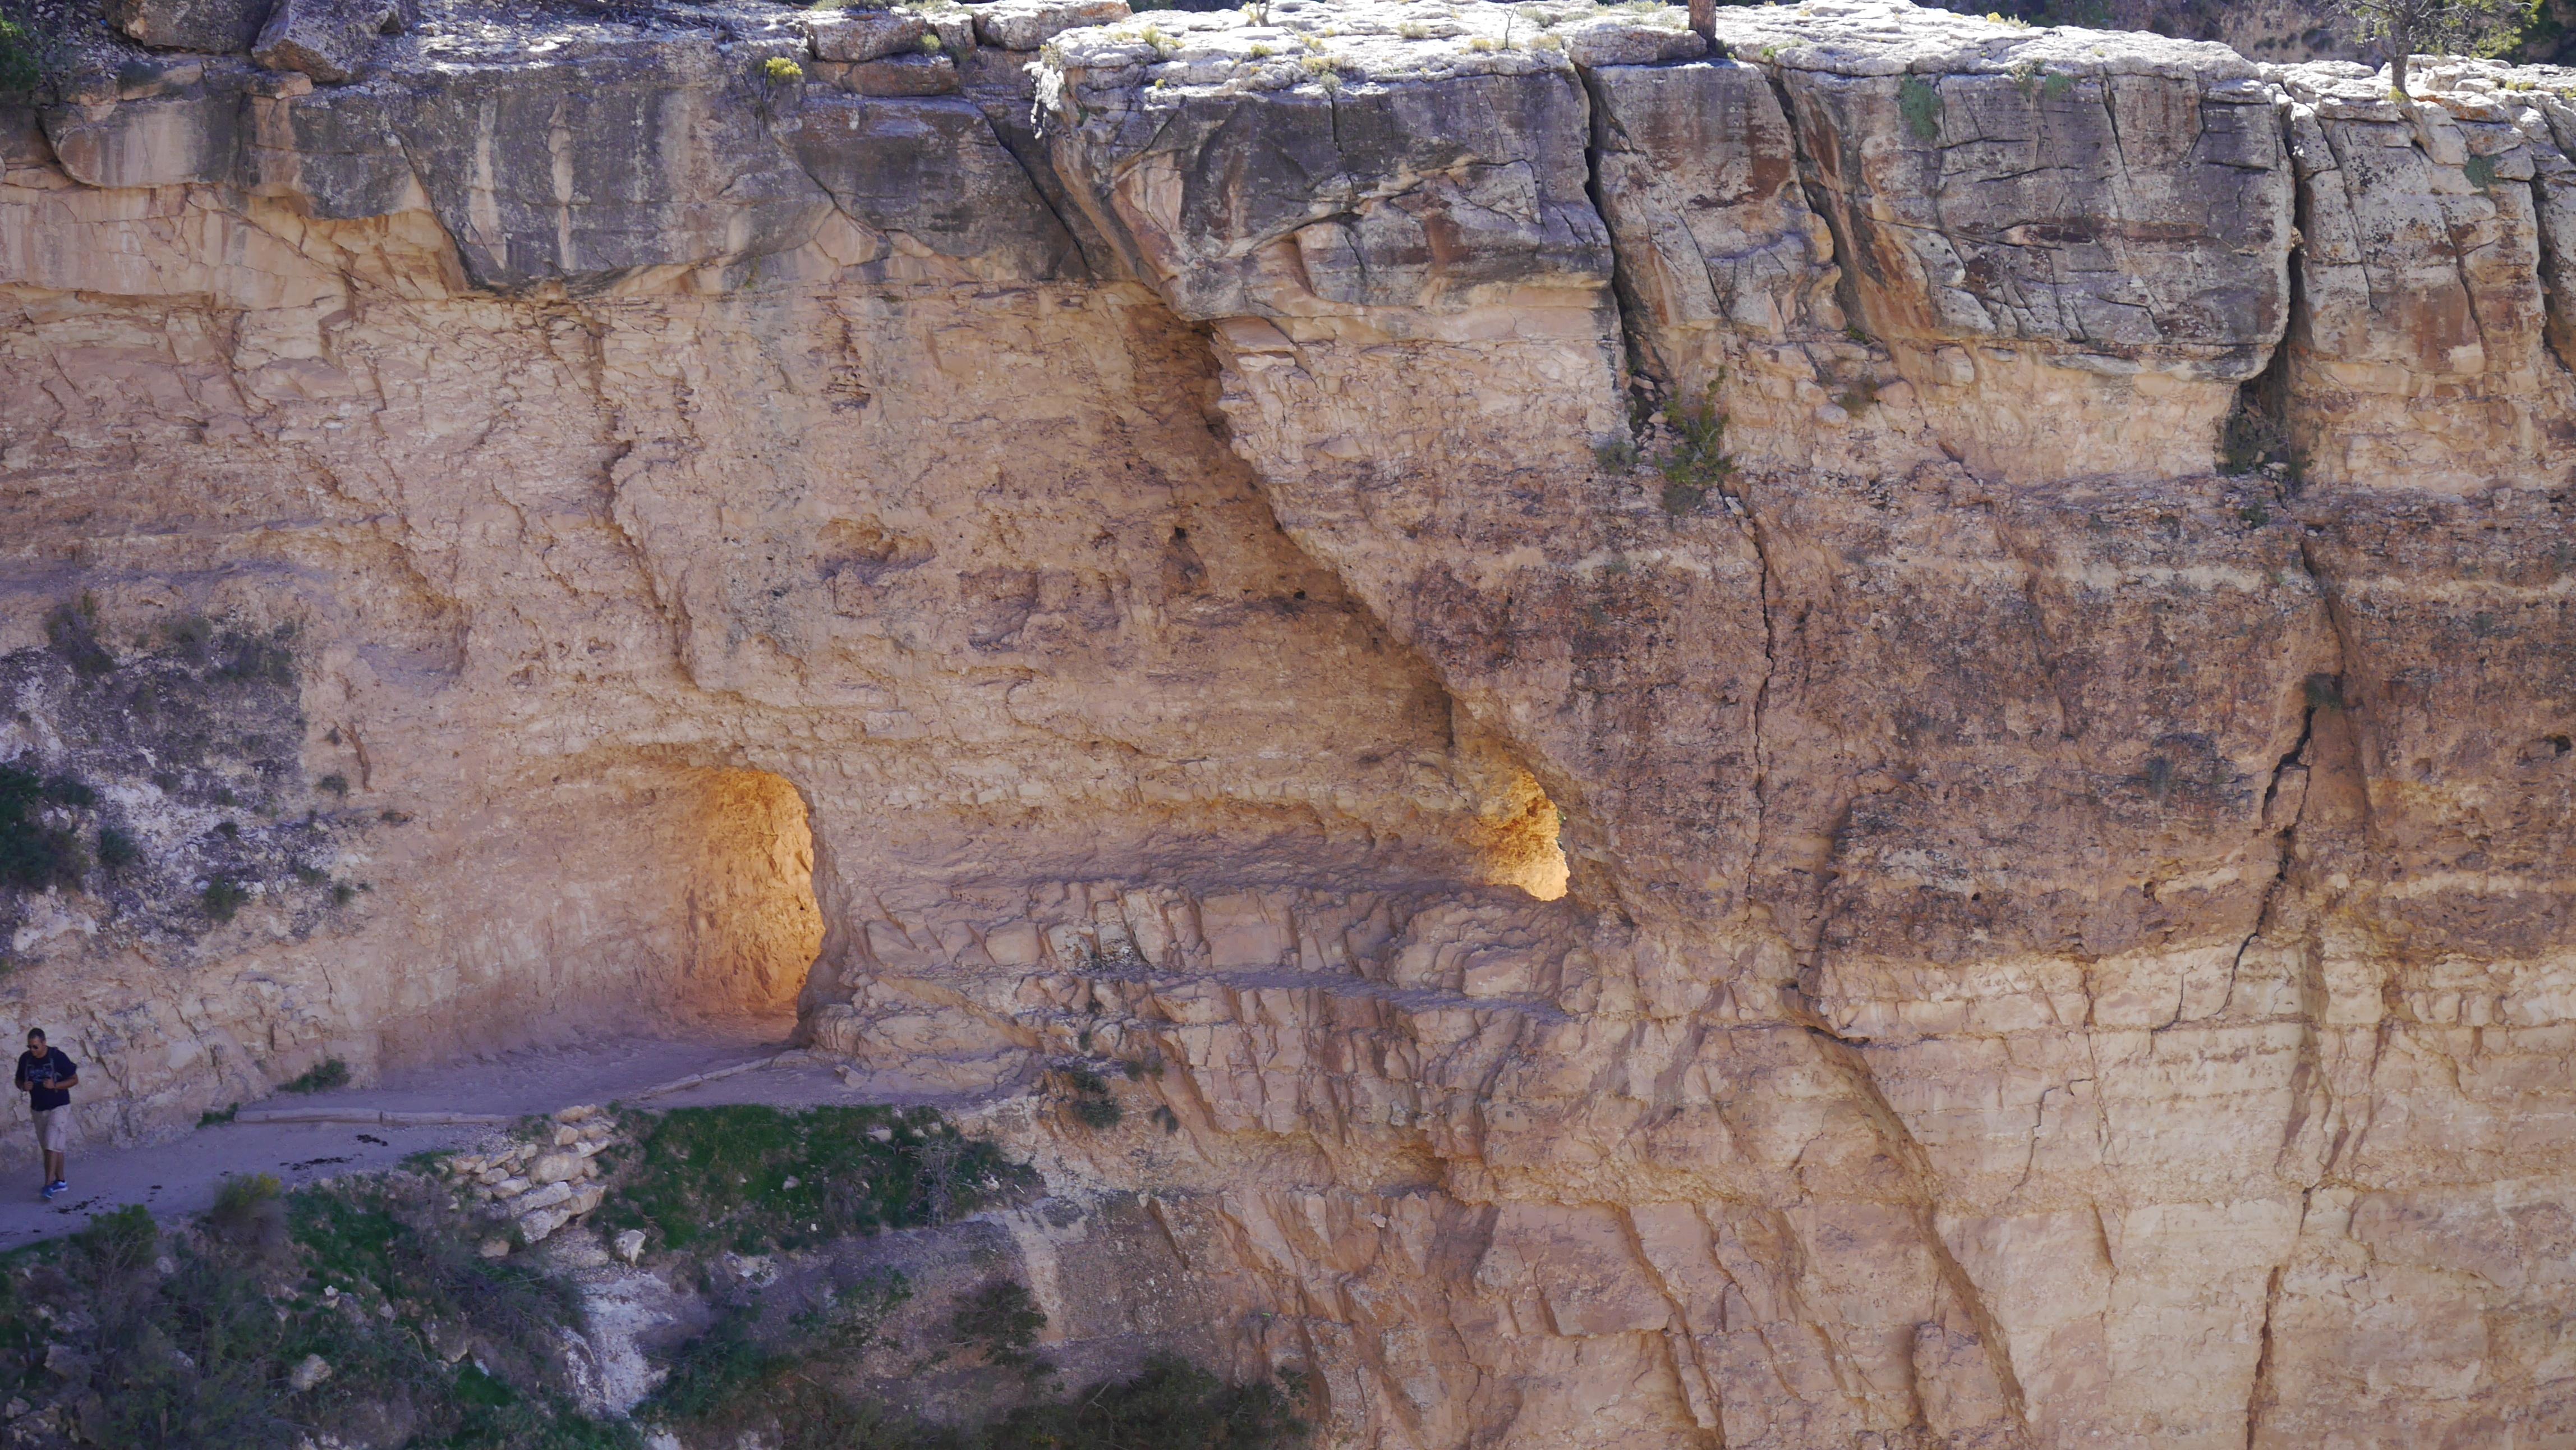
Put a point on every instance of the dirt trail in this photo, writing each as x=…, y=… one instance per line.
x=308, y=1139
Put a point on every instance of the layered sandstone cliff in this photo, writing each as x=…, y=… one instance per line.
x=1956, y=922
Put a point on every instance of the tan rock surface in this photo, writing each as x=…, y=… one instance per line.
x=1961, y=926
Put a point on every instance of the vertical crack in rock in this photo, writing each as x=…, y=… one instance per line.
x=2256, y=1394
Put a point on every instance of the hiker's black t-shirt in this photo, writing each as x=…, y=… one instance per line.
x=42, y=1075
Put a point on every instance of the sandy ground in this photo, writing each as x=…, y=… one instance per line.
x=180, y=1177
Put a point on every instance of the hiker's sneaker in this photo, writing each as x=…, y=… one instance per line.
x=56, y=1188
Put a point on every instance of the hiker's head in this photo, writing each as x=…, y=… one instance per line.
x=36, y=1040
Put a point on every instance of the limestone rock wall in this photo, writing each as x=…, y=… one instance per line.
x=1934, y=914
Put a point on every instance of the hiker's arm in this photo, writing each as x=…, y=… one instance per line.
x=72, y=1081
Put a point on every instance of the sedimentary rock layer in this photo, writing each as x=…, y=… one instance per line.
x=1852, y=737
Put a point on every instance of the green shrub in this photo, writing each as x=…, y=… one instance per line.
x=330, y=1073
x=719, y=1371
x=72, y=629
x=1086, y=1096
x=1001, y=1321
x=2252, y=439
x=33, y=854
x=241, y=1193
x=117, y=848
x=335, y=783
x=248, y=659
x=21, y=59
x=778, y=70
x=1698, y=461
x=222, y=898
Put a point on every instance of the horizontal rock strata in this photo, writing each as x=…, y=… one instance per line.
x=1855, y=734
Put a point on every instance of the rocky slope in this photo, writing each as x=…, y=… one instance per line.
x=1999, y=885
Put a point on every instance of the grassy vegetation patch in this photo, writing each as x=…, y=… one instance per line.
x=754, y=1179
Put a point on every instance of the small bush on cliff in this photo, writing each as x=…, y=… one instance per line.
x=1001, y=1322
x=223, y=898
x=34, y=855
x=72, y=629
x=2252, y=440
x=1698, y=461
x=117, y=848
x=1086, y=1096
x=21, y=59
x=330, y=1073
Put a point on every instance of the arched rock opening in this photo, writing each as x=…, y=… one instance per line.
x=753, y=929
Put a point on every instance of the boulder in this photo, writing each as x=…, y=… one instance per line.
x=856, y=35
x=219, y=27
x=1630, y=40
x=1028, y=24
x=191, y=135
x=542, y=1198
x=629, y=1245
x=328, y=40
x=313, y=1371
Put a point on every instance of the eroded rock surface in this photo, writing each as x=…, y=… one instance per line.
x=1615, y=685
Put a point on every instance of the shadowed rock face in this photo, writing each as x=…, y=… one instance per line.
x=1218, y=522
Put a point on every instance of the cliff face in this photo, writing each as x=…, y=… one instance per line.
x=1936, y=915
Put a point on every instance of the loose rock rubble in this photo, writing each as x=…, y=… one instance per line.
x=542, y=1185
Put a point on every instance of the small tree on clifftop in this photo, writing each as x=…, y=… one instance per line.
x=2403, y=28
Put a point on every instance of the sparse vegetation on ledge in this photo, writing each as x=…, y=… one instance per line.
x=755, y=1179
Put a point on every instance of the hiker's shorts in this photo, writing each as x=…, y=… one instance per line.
x=54, y=1129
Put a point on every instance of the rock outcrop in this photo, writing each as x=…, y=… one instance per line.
x=1851, y=736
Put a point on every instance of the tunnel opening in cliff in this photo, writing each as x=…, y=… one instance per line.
x=753, y=929
x=1518, y=836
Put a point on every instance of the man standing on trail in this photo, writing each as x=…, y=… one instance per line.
x=47, y=1077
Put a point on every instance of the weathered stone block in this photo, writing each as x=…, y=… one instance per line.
x=856, y=35
x=222, y=27
x=903, y=75
x=194, y=135
x=1028, y=24
x=933, y=170
x=328, y=40
x=1628, y=40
